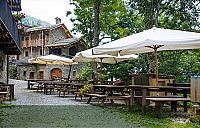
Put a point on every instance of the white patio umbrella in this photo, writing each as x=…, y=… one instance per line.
x=86, y=56
x=53, y=59
x=155, y=39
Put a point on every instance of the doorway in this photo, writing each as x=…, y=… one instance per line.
x=31, y=75
x=56, y=73
x=41, y=75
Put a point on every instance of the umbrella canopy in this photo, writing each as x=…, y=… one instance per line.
x=166, y=39
x=53, y=59
x=86, y=56
x=155, y=39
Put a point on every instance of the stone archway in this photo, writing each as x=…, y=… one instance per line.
x=56, y=73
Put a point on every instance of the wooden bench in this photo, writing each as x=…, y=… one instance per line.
x=2, y=96
x=68, y=90
x=105, y=97
x=159, y=104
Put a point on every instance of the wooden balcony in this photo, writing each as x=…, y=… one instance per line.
x=33, y=43
x=10, y=39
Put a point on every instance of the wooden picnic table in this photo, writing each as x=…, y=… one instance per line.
x=107, y=93
x=11, y=90
x=144, y=89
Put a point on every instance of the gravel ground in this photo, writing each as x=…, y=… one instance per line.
x=34, y=109
x=32, y=97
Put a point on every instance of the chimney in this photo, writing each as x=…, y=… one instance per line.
x=58, y=20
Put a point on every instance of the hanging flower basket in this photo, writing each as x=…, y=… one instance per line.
x=18, y=17
x=22, y=29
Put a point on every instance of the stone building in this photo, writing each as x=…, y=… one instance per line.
x=45, y=40
x=10, y=39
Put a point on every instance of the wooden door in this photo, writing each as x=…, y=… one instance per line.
x=31, y=75
x=56, y=73
x=41, y=75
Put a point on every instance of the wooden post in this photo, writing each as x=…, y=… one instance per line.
x=131, y=104
x=42, y=44
x=158, y=109
x=7, y=81
x=155, y=49
x=100, y=69
x=144, y=95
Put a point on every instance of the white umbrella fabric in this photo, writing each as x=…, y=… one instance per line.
x=86, y=56
x=53, y=59
x=155, y=39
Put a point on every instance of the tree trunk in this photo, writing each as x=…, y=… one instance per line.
x=96, y=31
x=96, y=22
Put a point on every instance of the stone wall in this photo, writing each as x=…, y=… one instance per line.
x=27, y=69
x=3, y=67
x=56, y=35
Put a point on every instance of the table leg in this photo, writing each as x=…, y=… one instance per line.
x=28, y=84
x=185, y=103
x=158, y=109
x=11, y=93
x=144, y=93
x=131, y=101
x=89, y=100
x=174, y=106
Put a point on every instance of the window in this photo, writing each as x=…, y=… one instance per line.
x=26, y=54
x=24, y=73
x=17, y=57
x=40, y=51
x=74, y=73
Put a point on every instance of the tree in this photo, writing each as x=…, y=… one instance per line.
x=110, y=14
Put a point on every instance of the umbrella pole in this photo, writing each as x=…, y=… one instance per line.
x=70, y=68
x=155, y=49
x=100, y=69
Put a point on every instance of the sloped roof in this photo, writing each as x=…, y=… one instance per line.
x=45, y=27
x=64, y=42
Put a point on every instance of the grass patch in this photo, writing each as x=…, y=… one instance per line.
x=149, y=119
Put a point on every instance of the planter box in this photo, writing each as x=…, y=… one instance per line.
x=195, y=89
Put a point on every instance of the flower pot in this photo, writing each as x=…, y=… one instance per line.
x=16, y=19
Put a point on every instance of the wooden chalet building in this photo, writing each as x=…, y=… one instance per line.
x=10, y=39
x=45, y=40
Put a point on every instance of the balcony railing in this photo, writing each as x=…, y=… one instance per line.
x=33, y=43
x=7, y=19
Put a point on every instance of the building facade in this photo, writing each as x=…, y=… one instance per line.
x=39, y=41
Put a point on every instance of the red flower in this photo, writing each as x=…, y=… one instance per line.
x=91, y=90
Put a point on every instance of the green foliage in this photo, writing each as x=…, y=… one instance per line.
x=13, y=72
x=86, y=89
x=86, y=73
x=119, y=19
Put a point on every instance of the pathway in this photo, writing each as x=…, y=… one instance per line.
x=32, y=97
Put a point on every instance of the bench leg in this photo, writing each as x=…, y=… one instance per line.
x=102, y=102
x=185, y=106
x=64, y=94
x=174, y=106
x=112, y=101
x=76, y=96
x=89, y=100
x=158, y=109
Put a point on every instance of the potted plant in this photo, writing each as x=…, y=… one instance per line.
x=22, y=29
x=86, y=89
x=118, y=82
x=18, y=17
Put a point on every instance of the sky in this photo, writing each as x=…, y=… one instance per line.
x=48, y=10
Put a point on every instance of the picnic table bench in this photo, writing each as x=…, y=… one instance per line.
x=105, y=97
x=159, y=104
